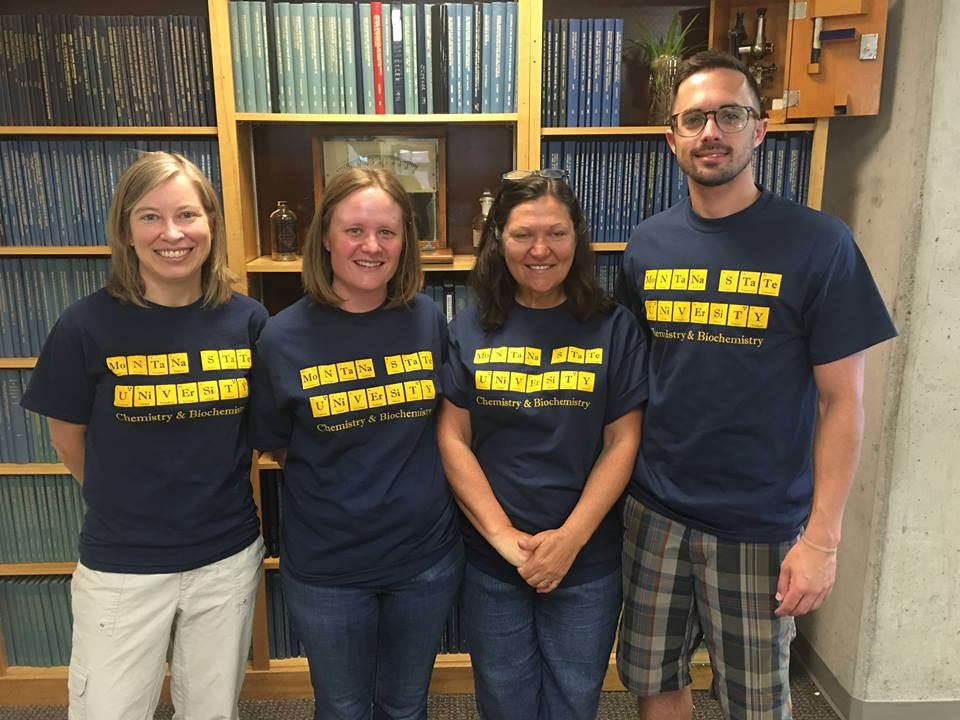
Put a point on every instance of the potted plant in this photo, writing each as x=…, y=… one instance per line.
x=662, y=53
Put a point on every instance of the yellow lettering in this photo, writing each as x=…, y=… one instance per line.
x=228, y=389
x=559, y=355
x=585, y=381
x=699, y=312
x=749, y=281
x=157, y=364
x=209, y=390
x=595, y=356
x=166, y=394
x=143, y=396
x=681, y=311
x=498, y=354
x=718, y=313
x=518, y=382
x=320, y=406
x=179, y=363
x=481, y=356
x=651, y=306
x=411, y=362
x=339, y=403
x=186, y=393
x=515, y=355
x=426, y=359
x=568, y=379
x=531, y=356
x=394, y=364
x=123, y=396
x=729, y=279
x=117, y=365
x=663, y=279
x=770, y=284
x=376, y=396
x=679, y=279
x=534, y=383
x=413, y=390
x=228, y=359
x=357, y=399
x=737, y=316
x=665, y=311
x=551, y=380
x=244, y=358
x=209, y=360
x=346, y=371
x=137, y=365
x=309, y=377
x=394, y=393
x=427, y=389
x=501, y=380
x=650, y=280
x=243, y=387
x=482, y=379
x=576, y=355
x=328, y=374
x=698, y=280
x=759, y=316
x=365, y=369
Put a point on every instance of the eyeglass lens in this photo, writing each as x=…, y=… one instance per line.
x=730, y=119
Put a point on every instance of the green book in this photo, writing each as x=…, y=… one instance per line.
x=246, y=55
x=348, y=55
x=333, y=71
x=313, y=48
x=410, y=58
x=298, y=51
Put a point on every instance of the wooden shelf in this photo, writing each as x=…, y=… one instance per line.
x=43, y=568
x=448, y=119
x=102, y=130
x=653, y=130
x=271, y=563
x=18, y=363
x=608, y=247
x=267, y=462
x=33, y=469
x=55, y=250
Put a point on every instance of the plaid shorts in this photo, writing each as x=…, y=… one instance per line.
x=682, y=586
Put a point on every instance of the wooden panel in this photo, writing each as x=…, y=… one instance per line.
x=462, y=119
x=97, y=131
x=18, y=363
x=840, y=79
x=59, y=568
x=55, y=250
x=33, y=469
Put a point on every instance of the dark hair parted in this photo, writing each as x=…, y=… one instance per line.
x=492, y=283
x=318, y=270
x=715, y=60
x=144, y=174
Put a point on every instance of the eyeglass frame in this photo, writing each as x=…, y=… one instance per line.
x=546, y=173
x=751, y=112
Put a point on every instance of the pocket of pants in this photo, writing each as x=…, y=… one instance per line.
x=96, y=598
x=77, y=692
x=246, y=575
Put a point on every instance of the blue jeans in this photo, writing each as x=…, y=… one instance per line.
x=371, y=651
x=539, y=655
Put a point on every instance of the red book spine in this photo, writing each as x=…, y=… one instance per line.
x=376, y=23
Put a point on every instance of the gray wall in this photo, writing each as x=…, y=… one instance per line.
x=891, y=630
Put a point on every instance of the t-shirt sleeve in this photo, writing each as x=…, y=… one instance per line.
x=846, y=314
x=456, y=375
x=60, y=386
x=627, y=382
x=270, y=424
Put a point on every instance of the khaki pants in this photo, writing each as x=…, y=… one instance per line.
x=124, y=623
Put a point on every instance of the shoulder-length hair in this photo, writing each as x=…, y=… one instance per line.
x=491, y=281
x=318, y=270
x=147, y=172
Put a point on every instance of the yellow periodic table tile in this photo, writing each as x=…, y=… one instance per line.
x=482, y=379
x=376, y=396
x=320, y=406
x=729, y=280
x=187, y=393
x=481, y=356
x=718, y=313
x=428, y=389
x=117, y=364
x=665, y=310
x=208, y=390
x=749, y=282
x=699, y=312
x=412, y=390
x=228, y=389
x=143, y=396
x=346, y=371
x=759, y=317
x=559, y=355
x=328, y=374
x=309, y=377
x=594, y=356
x=157, y=364
x=501, y=380
x=698, y=279
x=679, y=279
x=243, y=387
x=365, y=369
x=411, y=362
x=531, y=356
x=534, y=383
x=737, y=315
x=209, y=360
x=394, y=364
x=167, y=394
x=339, y=403
x=651, y=307
x=663, y=279
x=551, y=380
x=650, y=280
x=123, y=396
x=179, y=363
x=137, y=365
x=228, y=359
x=498, y=354
x=681, y=311
x=585, y=381
x=770, y=284
x=568, y=379
x=357, y=399
x=244, y=358
x=426, y=359
x=518, y=382
x=515, y=355
x=394, y=393
x=576, y=355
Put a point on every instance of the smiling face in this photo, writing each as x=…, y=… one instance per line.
x=365, y=240
x=715, y=158
x=170, y=233
x=538, y=246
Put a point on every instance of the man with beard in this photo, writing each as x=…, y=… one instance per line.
x=757, y=312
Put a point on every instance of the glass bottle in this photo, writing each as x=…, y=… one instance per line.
x=283, y=233
x=480, y=219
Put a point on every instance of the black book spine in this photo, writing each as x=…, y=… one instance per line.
x=477, y=59
x=396, y=37
x=441, y=68
x=421, y=24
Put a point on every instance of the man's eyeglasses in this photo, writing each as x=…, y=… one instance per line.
x=730, y=119
x=549, y=173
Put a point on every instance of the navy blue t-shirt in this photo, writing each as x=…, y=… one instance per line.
x=163, y=392
x=352, y=396
x=737, y=312
x=540, y=391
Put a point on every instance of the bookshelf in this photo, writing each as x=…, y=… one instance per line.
x=263, y=157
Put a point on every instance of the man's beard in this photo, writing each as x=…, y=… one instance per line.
x=714, y=177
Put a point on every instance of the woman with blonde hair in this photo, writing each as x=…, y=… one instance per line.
x=345, y=388
x=144, y=384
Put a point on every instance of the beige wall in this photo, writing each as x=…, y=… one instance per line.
x=891, y=630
